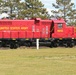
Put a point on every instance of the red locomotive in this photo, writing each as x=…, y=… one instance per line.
x=15, y=32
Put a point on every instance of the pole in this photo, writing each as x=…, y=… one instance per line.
x=37, y=44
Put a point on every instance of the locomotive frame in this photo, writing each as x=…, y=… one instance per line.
x=14, y=33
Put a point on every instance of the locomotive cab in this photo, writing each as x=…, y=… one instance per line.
x=62, y=34
x=59, y=28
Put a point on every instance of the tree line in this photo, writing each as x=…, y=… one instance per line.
x=35, y=8
x=25, y=9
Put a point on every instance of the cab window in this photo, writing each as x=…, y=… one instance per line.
x=60, y=25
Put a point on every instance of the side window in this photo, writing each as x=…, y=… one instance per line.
x=60, y=25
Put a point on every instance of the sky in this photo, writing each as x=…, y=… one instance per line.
x=48, y=4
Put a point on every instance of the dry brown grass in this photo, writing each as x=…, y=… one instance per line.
x=51, y=61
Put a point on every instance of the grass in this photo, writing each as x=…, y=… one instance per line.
x=48, y=61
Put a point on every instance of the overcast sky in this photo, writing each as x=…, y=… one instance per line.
x=48, y=4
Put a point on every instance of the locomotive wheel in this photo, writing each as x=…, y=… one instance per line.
x=13, y=45
x=51, y=46
x=55, y=45
x=72, y=44
x=28, y=44
x=66, y=45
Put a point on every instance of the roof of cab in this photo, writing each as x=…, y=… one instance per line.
x=58, y=21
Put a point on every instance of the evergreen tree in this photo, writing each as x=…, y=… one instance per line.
x=10, y=6
x=35, y=8
x=65, y=9
x=0, y=6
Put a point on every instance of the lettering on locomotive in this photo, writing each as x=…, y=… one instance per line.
x=4, y=28
x=13, y=28
x=59, y=30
